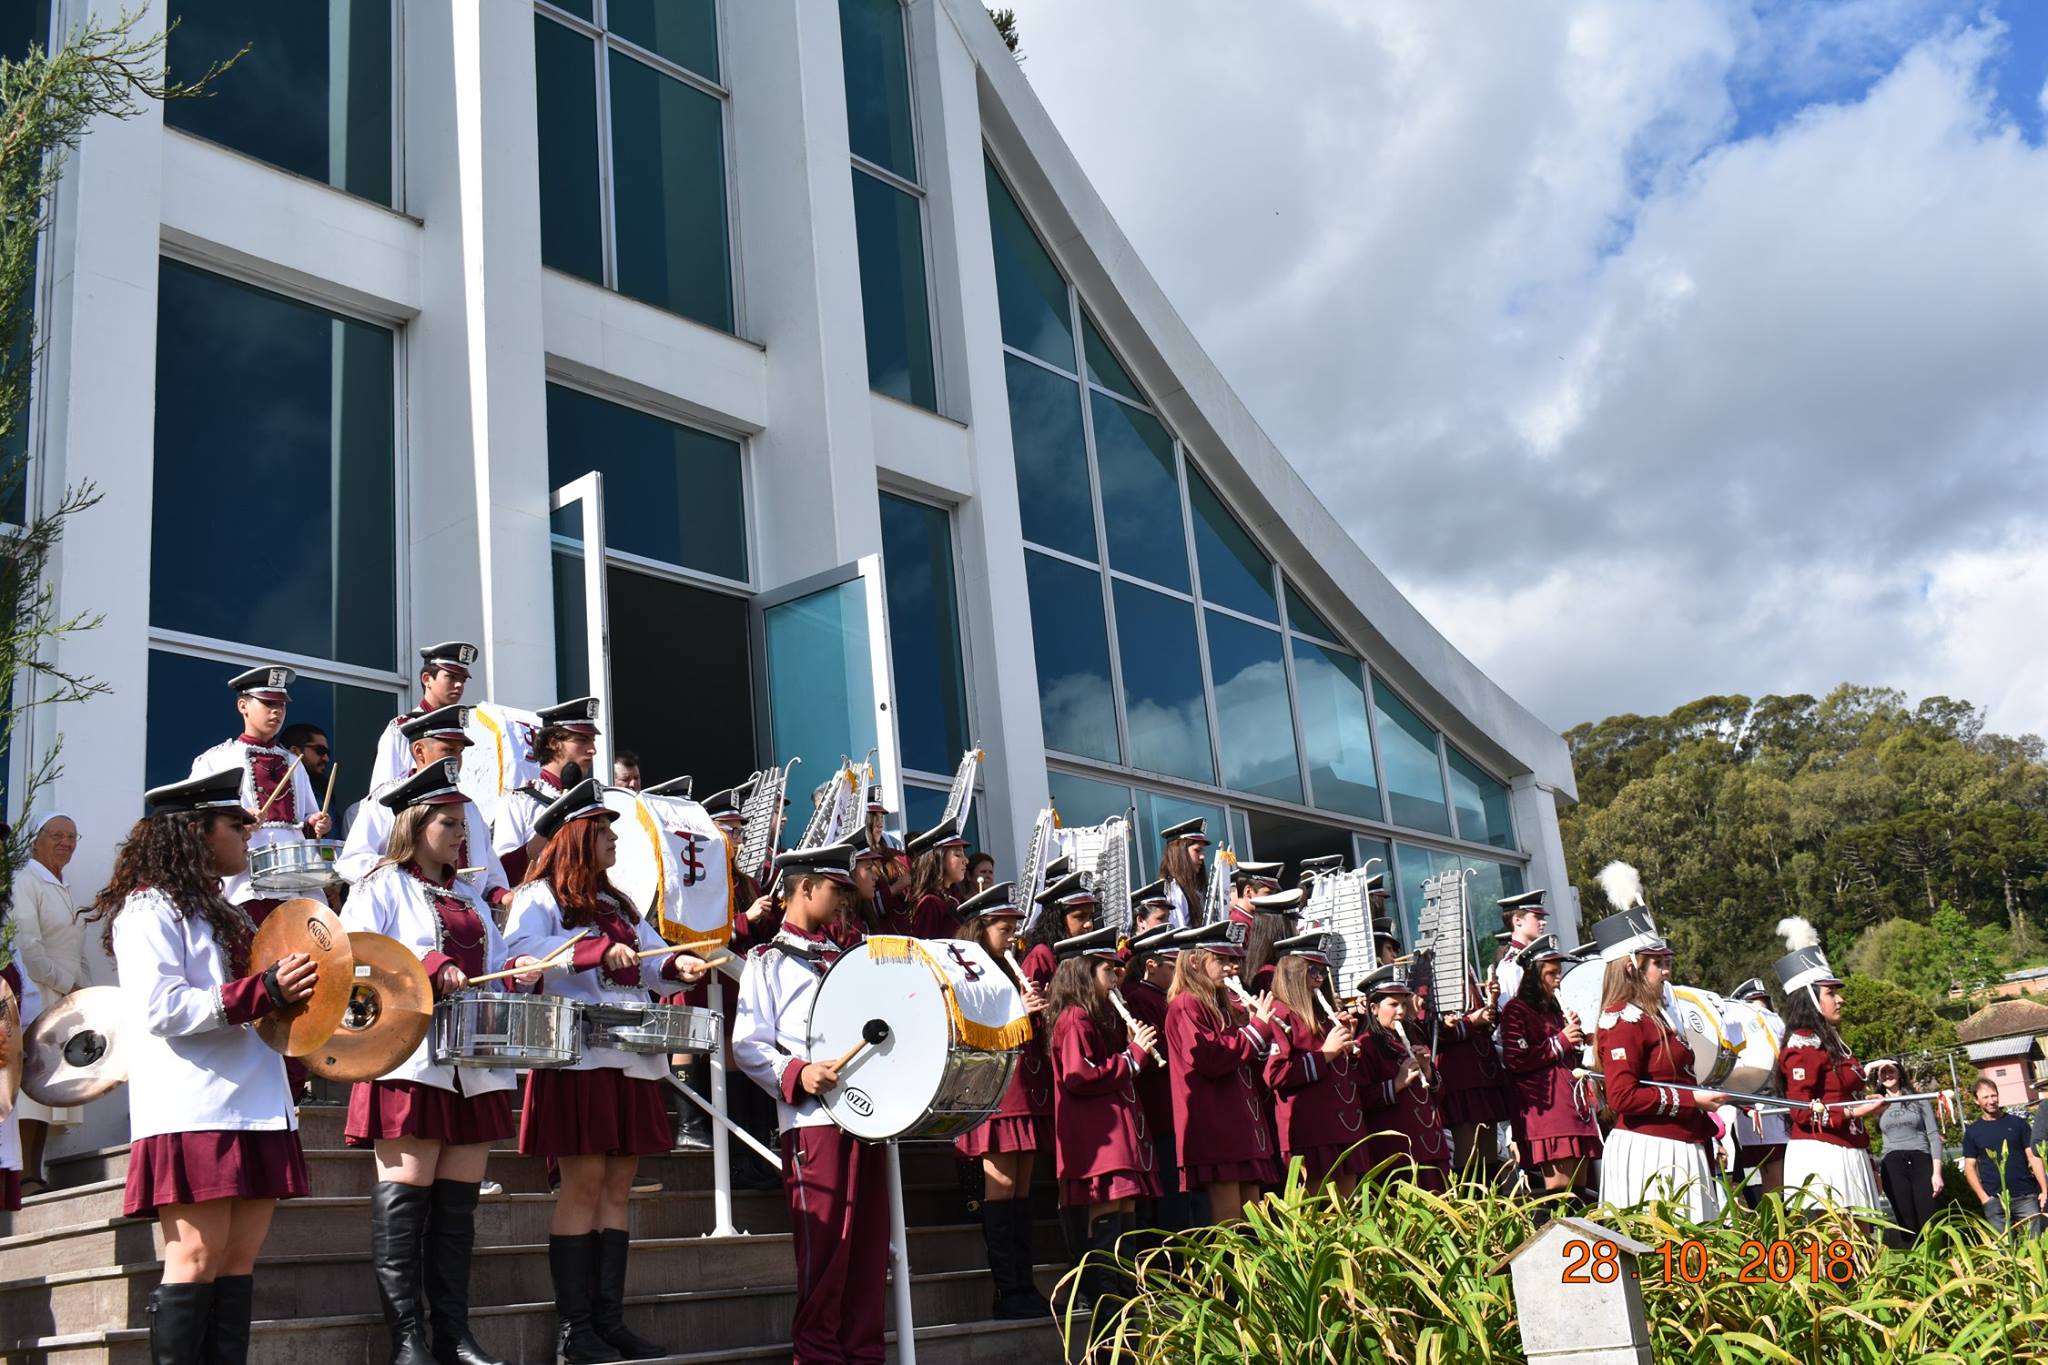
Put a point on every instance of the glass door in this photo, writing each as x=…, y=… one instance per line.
x=582, y=612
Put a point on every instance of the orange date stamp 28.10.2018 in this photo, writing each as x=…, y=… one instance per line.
x=1693, y=1262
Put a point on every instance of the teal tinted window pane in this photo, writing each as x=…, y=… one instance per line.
x=1415, y=782
x=1052, y=459
x=572, y=626
x=1235, y=573
x=294, y=405
x=565, y=104
x=889, y=226
x=1030, y=291
x=1103, y=366
x=1481, y=804
x=1253, y=722
x=1365, y=848
x=668, y=194
x=924, y=634
x=1483, y=890
x=1241, y=834
x=1076, y=702
x=1157, y=811
x=190, y=709
x=1084, y=801
x=580, y=8
x=1164, y=710
x=877, y=63
x=671, y=493
x=659, y=675
x=1331, y=688
x=23, y=22
x=312, y=94
x=820, y=685
x=1302, y=617
x=1140, y=494
x=684, y=31
x=1285, y=839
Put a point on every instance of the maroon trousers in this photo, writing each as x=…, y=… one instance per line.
x=839, y=1226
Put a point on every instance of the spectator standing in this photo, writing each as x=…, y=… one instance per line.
x=51, y=948
x=2002, y=1166
x=1911, y=1168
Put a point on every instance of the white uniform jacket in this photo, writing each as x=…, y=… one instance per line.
x=771, y=1027
x=533, y=928
x=189, y=1069
x=370, y=835
x=516, y=814
x=393, y=902
x=1182, y=914
x=393, y=762
x=279, y=825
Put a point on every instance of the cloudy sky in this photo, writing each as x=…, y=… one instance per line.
x=1654, y=349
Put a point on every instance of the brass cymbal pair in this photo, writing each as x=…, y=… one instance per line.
x=370, y=1007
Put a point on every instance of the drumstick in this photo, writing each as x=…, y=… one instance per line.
x=282, y=783
x=328, y=799
x=553, y=959
x=874, y=1031
x=1131, y=1023
x=689, y=947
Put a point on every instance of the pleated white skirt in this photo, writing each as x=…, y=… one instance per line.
x=1840, y=1176
x=1636, y=1167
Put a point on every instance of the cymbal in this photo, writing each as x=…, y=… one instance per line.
x=10, y=1049
x=390, y=1004
x=76, y=1050
x=309, y=927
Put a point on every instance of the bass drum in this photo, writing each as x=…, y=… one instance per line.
x=1579, y=993
x=1763, y=1034
x=955, y=1023
x=1713, y=1030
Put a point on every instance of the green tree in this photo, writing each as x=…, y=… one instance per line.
x=1905, y=953
x=1880, y=1019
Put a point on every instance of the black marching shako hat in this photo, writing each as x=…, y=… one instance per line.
x=1071, y=889
x=1104, y=943
x=578, y=717
x=1280, y=902
x=1750, y=990
x=1530, y=901
x=1161, y=940
x=833, y=861
x=994, y=903
x=1151, y=893
x=449, y=722
x=1313, y=946
x=676, y=786
x=1544, y=948
x=1225, y=938
x=945, y=834
x=1248, y=871
x=875, y=802
x=1197, y=828
x=726, y=805
x=452, y=656
x=437, y=784
x=584, y=801
x=266, y=682
x=197, y=795
x=1391, y=979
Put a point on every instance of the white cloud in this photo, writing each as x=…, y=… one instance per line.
x=1709, y=414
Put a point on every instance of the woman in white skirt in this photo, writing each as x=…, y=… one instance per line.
x=1829, y=1151
x=1660, y=1146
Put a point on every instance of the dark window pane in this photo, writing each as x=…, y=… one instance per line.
x=1482, y=804
x=1241, y=834
x=672, y=493
x=1483, y=891
x=1103, y=366
x=1030, y=291
x=1164, y=711
x=1369, y=848
x=1053, y=500
x=190, y=709
x=1235, y=573
x=1075, y=700
x=1413, y=867
x=1415, y=784
x=1140, y=494
x=890, y=227
x=23, y=22
x=1157, y=811
x=924, y=807
x=312, y=94
x=677, y=714
x=572, y=625
x=878, y=84
x=1085, y=801
x=580, y=8
x=1284, y=839
x=1302, y=617
x=1331, y=688
x=668, y=194
x=1253, y=721
x=565, y=99
x=684, y=31
x=924, y=634
x=295, y=405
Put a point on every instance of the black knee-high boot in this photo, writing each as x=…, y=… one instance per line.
x=451, y=1244
x=398, y=1228
x=227, y=1333
x=1025, y=1254
x=572, y=1266
x=178, y=1317
x=608, y=1304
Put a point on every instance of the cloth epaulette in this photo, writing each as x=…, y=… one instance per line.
x=1802, y=1040
x=1628, y=1013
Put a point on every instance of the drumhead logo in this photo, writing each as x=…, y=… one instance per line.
x=859, y=1103
x=317, y=931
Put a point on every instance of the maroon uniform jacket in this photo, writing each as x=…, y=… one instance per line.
x=1540, y=1062
x=1809, y=1073
x=1409, y=1121
x=1317, y=1098
x=1643, y=1062
x=936, y=916
x=1098, y=1124
x=1218, y=1114
x=1155, y=1088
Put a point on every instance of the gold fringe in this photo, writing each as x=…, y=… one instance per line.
x=893, y=948
x=497, y=748
x=659, y=910
x=896, y=948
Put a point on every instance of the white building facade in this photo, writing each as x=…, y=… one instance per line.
x=768, y=367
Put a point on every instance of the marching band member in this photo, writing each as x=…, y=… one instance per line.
x=1399, y=1093
x=567, y=737
x=431, y=738
x=1761, y=1135
x=609, y=1108
x=938, y=865
x=1154, y=950
x=431, y=1126
x=1066, y=910
x=877, y=814
x=1829, y=1152
x=1212, y=1052
x=444, y=677
x=1182, y=868
x=1103, y=1148
x=1314, y=1077
x=837, y=1185
x=1475, y=1093
x=1151, y=908
x=1540, y=1046
x=1008, y=1143
x=1528, y=920
x=261, y=695
x=1658, y=1147
x=214, y=1140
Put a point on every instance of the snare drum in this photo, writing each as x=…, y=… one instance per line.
x=1712, y=1030
x=295, y=865
x=955, y=1023
x=647, y=1027
x=507, y=1032
x=1756, y=1066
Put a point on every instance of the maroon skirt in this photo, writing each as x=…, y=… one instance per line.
x=1007, y=1133
x=396, y=1109
x=215, y=1163
x=10, y=1191
x=1478, y=1103
x=598, y=1112
x=1543, y=1151
x=1112, y=1185
x=1258, y=1171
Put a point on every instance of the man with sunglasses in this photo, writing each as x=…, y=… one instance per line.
x=309, y=742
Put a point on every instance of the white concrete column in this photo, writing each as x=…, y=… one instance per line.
x=1535, y=808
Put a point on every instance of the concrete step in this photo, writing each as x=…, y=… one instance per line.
x=64, y=1303
x=704, y=1325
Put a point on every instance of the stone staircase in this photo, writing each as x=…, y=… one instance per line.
x=75, y=1274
